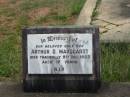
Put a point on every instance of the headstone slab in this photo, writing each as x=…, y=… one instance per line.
x=63, y=59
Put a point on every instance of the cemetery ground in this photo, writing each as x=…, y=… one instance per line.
x=17, y=14
x=14, y=15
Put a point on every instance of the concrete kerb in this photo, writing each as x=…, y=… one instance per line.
x=86, y=13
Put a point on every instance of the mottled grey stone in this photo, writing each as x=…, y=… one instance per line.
x=119, y=34
x=115, y=11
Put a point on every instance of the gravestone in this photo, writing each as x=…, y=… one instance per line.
x=61, y=59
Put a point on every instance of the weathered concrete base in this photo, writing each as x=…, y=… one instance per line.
x=114, y=20
x=10, y=89
x=118, y=34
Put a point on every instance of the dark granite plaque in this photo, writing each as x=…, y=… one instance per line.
x=63, y=59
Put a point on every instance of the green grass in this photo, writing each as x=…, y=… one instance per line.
x=77, y=7
x=115, y=62
x=10, y=57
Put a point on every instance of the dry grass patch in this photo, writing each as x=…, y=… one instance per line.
x=40, y=12
x=4, y=1
x=2, y=36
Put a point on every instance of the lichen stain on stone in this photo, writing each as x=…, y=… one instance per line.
x=125, y=8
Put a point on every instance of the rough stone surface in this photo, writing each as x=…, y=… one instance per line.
x=108, y=90
x=116, y=14
x=121, y=34
x=100, y=23
x=111, y=26
x=115, y=11
x=103, y=30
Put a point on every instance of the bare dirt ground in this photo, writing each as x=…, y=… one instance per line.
x=3, y=1
x=40, y=12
